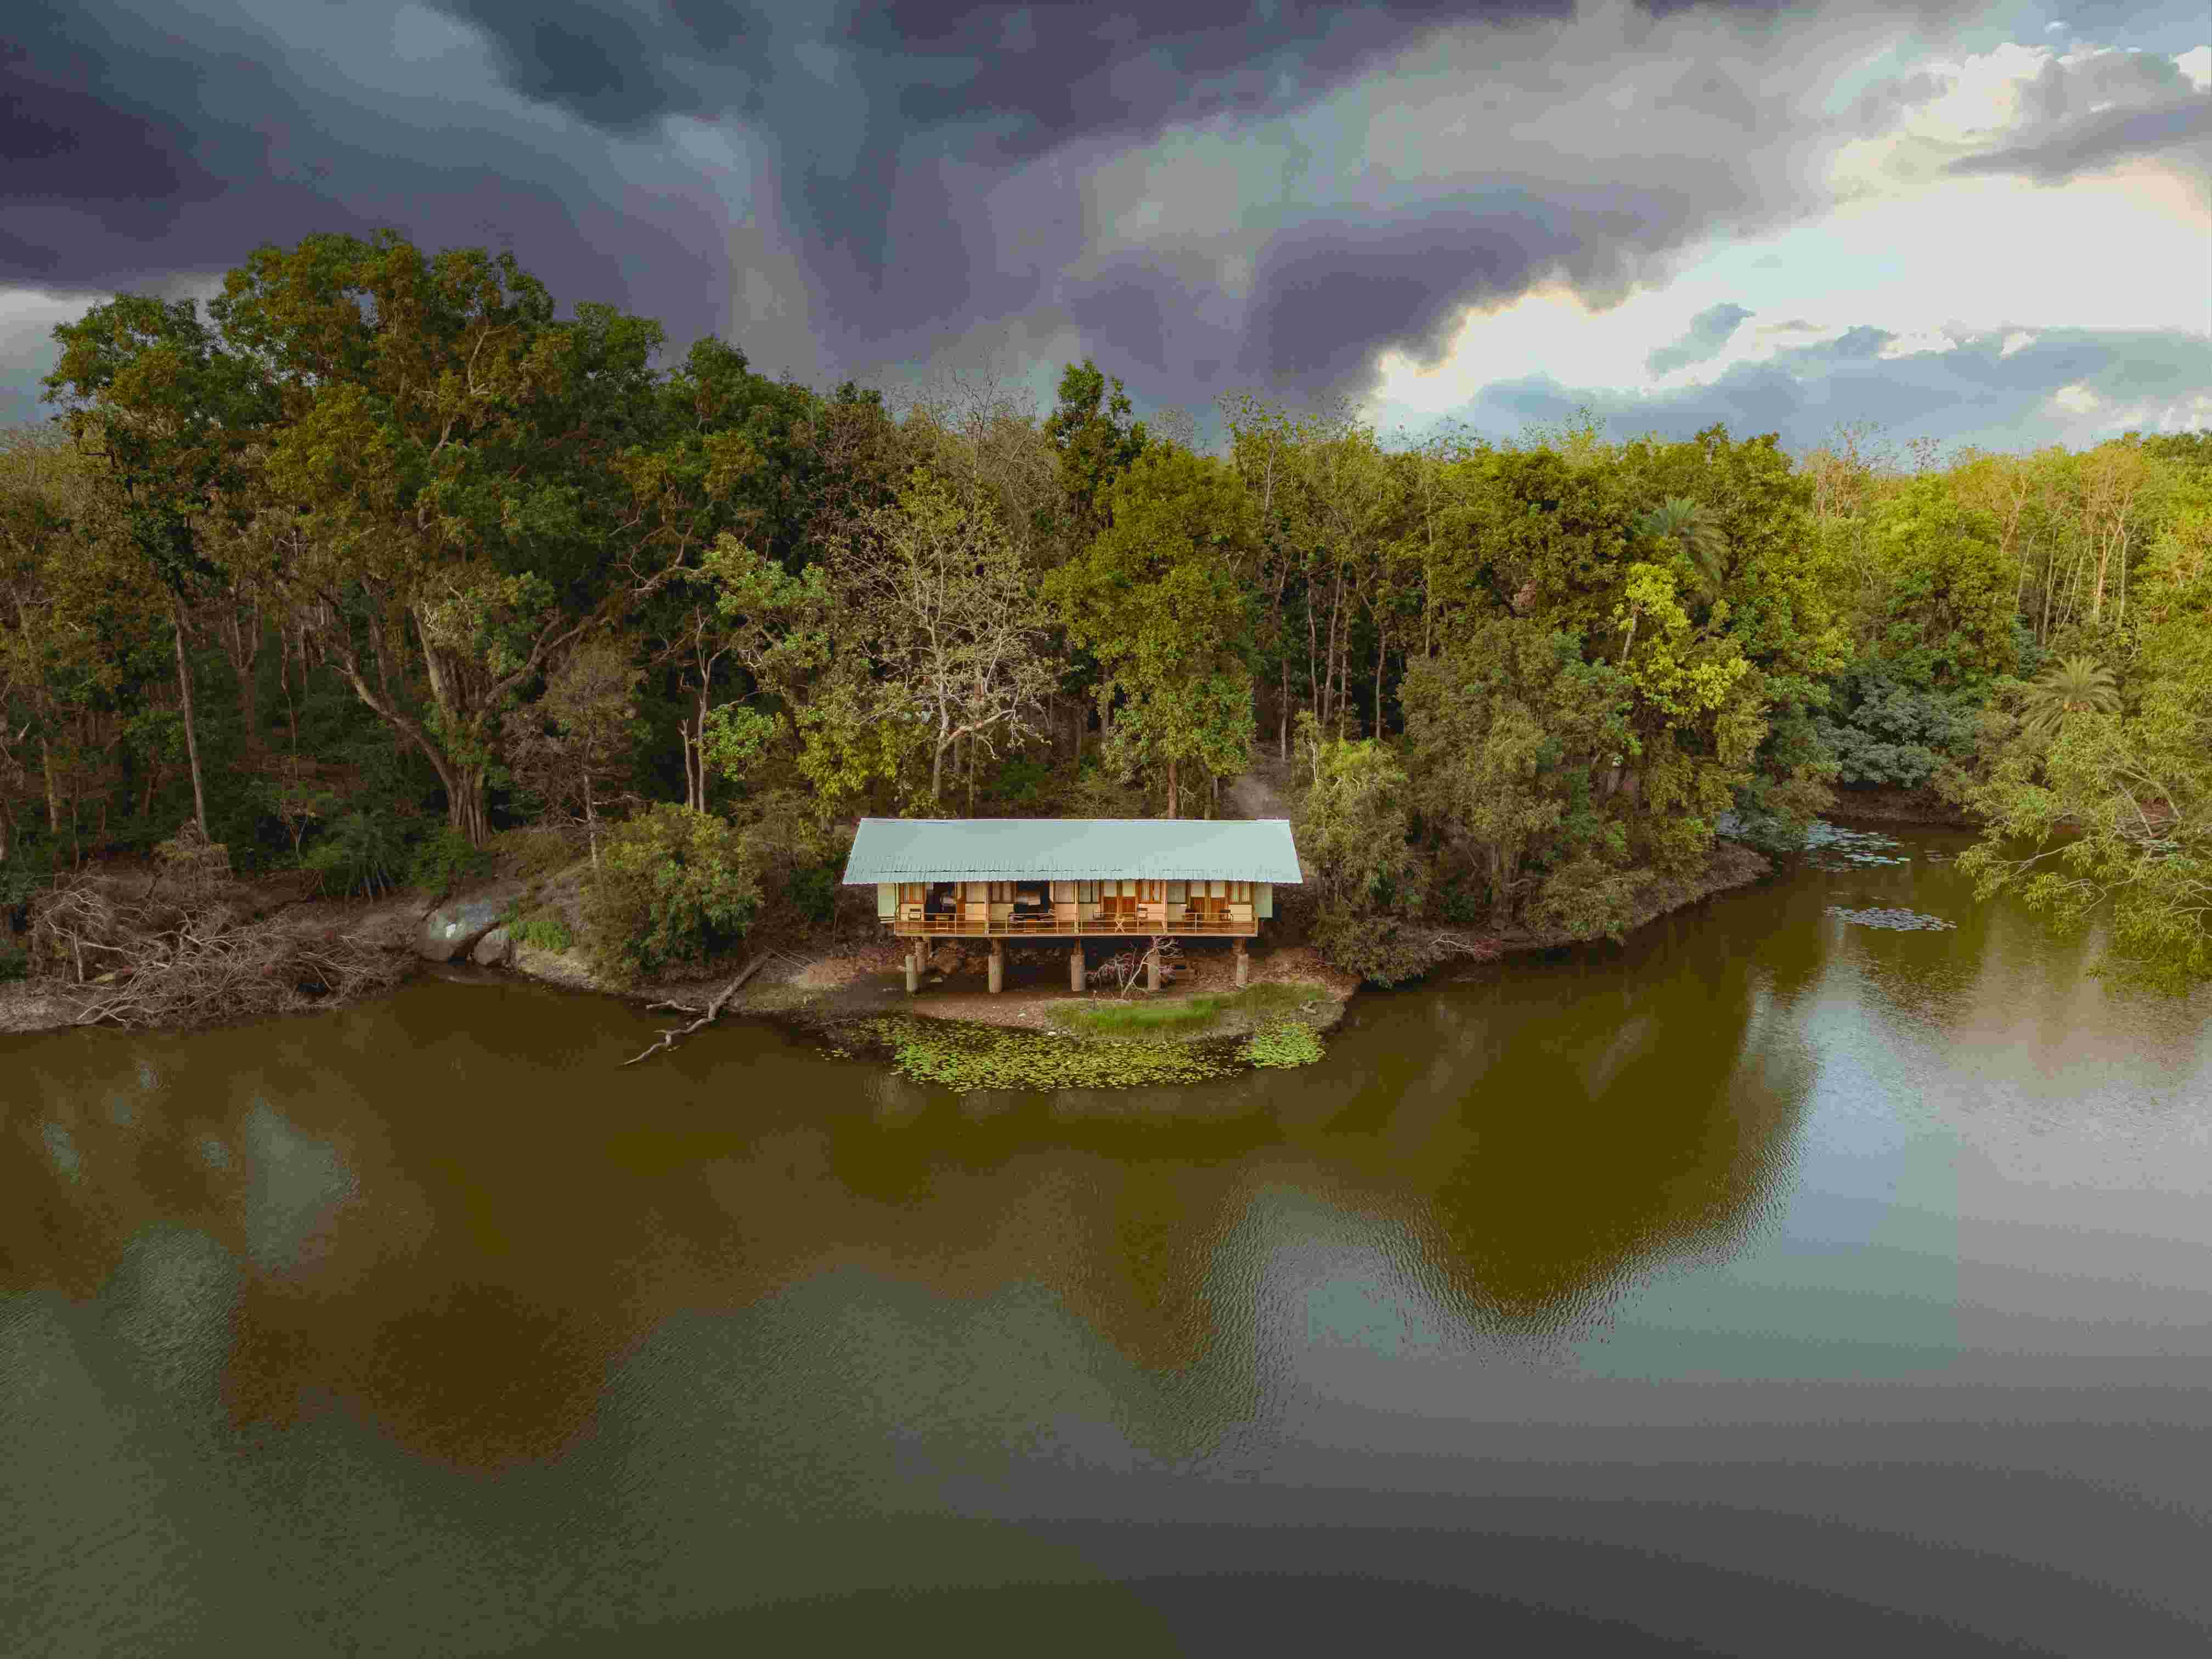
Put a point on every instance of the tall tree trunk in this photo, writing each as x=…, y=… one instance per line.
x=1381, y=652
x=1312, y=663
x=191, y=737
x=284, y=683
x=591, y=819
x=53, y=790
x=465, y=811
x=1171, y=786
x=697, y=763
x=244, y=654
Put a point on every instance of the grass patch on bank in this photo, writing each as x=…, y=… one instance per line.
x=538, y=924
x=1185, y=1014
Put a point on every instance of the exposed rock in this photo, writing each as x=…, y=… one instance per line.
x=494, y=950
x=946, y=959
x=453, y=928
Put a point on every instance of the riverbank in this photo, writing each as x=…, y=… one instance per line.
x=1887, y=804
x=829, y=982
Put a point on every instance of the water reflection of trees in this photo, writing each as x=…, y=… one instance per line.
x=493, y=1234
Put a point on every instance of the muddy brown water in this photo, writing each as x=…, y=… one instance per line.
x=1773, y=1283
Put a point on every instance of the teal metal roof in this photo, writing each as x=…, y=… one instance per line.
x=1071, y=849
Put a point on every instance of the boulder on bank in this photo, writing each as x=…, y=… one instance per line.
x=454, y=927
x=494, y=950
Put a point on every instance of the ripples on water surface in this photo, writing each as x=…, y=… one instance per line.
x=1775, y=1284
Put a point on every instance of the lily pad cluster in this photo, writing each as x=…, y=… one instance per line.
x=1287, y=1042
x=1900, y=919
x=962, y=1057
x=1839, y=848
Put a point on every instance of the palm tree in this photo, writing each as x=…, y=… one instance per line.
x=2079, y=685
x=1681, y=523
x=1692, y=529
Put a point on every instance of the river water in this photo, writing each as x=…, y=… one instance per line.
x=1777, y=1282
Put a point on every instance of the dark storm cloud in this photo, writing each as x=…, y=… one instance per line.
x=1328, y=296
x=861, y=101
x=137, y=151
x=851, y=188
x=1039, y=73
x=1976, y=393
x=1709, y=331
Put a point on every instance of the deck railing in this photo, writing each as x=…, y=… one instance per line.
x=929, y=926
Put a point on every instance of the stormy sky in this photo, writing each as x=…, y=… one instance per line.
x=1987, y=225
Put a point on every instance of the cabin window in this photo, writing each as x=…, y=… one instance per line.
x=1063, y=892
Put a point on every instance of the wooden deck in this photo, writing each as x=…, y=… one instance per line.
x=1092, y=927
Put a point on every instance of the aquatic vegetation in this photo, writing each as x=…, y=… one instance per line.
x=955, y=1055
x=1287, y=1042
x=1898, y=919
x=962, y=1057
x=1836, y=848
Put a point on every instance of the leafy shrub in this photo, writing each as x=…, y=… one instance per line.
x=1891, y=733
x=442, y=858
x=672, y=885
x=360, y=853
x=1588, y=898
x=19, y=879
x=1381, y=949
x=542, y=927
x=1022, y=786
x=812, y=892
x=15, y=962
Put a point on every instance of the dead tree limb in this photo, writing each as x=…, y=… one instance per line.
x=670, y=1037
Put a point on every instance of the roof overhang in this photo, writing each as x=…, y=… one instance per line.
x=1073, y=849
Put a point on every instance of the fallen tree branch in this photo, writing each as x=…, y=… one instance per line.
x=194, y=961
x=670, y=1037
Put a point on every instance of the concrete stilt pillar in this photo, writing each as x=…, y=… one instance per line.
x=913, y=969
x=1243, y=965
x=998, y=966
x=1153, y=971
x=1075, y=968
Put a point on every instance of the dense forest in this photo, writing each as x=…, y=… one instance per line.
x=378, y=561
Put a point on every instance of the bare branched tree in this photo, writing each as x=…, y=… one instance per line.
x=937, y=591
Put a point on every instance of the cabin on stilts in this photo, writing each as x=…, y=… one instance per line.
x=1072, y=879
